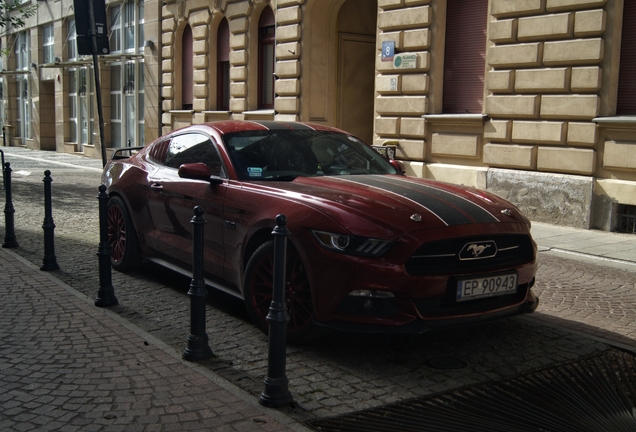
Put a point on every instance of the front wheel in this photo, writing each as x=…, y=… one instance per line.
x=258, y=287
x=122, y=238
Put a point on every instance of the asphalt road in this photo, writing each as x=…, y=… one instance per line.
x=342, y=372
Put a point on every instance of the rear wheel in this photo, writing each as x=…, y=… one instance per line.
x=257, y=291
x=122, y=238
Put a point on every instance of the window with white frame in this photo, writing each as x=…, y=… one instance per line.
x=127, y=74
x=23, y=99
x=80, y=95
x=71, y=41
x=48, y=43
x=115, y=28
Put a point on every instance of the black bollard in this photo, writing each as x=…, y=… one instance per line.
x=3, y=177
x=105, y=292
x=197, y=348
x=9, y=212
x=276, y=391
x=49, y=261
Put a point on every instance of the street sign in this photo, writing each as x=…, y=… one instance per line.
x=405, y=61
x=83, y=23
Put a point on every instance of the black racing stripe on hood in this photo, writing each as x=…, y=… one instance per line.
x=278, y=125
x=450, y=208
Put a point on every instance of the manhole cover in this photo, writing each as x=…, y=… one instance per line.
x=594, y=394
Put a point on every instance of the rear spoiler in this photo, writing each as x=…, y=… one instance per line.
x=117, y=153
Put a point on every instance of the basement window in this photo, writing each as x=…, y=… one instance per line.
x=626, y=219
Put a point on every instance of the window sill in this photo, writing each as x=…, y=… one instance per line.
x=617, y=122
x=477, y=119
x=266, y=114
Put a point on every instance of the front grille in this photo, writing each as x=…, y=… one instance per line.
x=443, y=257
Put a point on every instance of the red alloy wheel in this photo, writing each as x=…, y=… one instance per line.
x=116, y=233
x=297, y=291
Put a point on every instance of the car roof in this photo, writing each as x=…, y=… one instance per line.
x=229, y=126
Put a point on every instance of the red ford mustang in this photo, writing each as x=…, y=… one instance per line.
x=370, y=249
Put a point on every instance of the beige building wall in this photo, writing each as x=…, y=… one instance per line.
x=547, y=139
x=549, y=103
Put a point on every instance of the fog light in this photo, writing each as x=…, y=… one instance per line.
x=372, y=294
x=368, y=305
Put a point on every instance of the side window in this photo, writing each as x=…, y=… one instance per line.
x=192, y=147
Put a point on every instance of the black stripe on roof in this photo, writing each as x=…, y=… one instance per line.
x=450, y=208
x=279, y=125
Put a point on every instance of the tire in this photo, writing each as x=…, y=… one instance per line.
x=122, y=237
x=257, y=291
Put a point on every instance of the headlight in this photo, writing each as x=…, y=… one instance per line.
x=352, y=245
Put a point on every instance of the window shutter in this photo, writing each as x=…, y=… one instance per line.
x=187, y=69
x=627, y=74
x=465, y=56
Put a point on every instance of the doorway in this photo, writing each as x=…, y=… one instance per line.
x=357, y=26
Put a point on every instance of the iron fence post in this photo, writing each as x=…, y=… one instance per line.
x=49, y=261
x=197, y=348
x=105, y=292
x=276, y=391
x=9, y=212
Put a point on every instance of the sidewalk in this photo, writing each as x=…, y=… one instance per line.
x=599, y=245
x=68, y=365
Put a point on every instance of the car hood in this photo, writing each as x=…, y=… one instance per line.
x=398, y=204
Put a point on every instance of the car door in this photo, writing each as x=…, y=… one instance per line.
x=171, y=202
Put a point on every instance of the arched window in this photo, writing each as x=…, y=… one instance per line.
x=187, y=69
x=223, y=67
x=266, y=46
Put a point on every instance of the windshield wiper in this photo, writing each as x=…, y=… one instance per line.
x=290, y=177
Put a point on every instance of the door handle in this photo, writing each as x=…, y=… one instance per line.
x=156, y=186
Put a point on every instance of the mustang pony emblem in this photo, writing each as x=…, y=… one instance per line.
x=477, y=249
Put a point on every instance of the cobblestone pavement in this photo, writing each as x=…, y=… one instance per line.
x=342, y=372
x=67, y=366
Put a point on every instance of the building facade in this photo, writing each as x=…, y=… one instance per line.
x=534, y=100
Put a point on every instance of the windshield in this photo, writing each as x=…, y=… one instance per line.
x=287, y=154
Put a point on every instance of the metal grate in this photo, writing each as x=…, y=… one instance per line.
x=594, y=394
x=627, y=219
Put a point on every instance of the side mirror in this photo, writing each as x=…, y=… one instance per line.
x=398, y=165
x=198, y=171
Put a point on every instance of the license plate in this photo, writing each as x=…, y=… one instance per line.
x=489, y=286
